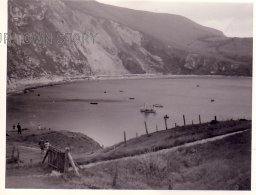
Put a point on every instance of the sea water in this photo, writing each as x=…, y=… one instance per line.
x=68, y=106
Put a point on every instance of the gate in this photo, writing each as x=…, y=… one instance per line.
x=57, y=159
x=60, y=160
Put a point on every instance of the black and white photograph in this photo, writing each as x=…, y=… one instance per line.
x=128, y=95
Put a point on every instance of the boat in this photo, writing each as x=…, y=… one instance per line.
x=95, y=103
x=158, y=105
x=147, y=109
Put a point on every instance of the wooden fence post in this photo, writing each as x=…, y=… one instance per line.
x=165, y=121
x=13, y=151
x=18, y=154
x=124, y=138
x=215, y=118
x=45, y=156
x=175, y=124
x=199, y=119
x=66, y=162
x=184, y=120
x=146, y=128
x=192, y=122
x=73, y=164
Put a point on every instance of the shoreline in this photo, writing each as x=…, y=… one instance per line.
x=27, y=84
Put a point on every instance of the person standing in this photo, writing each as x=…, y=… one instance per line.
x=19, y=128
x=41, y=145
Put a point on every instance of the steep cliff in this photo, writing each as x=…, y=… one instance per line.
x=52, y=39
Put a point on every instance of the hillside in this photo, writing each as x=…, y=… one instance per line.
x=219, y=165
x=78, y=142
x=174, y=30
x=108, y=40
x=165, y=139
x=212, y=164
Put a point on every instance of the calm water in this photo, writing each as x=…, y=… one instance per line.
x=67, y=107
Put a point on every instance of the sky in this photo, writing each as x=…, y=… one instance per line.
x=233, y=19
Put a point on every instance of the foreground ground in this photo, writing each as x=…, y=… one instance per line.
x=211, y=164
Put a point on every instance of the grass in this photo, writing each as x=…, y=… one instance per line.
x=78, y=142
x=220, y=165
x=165, y=139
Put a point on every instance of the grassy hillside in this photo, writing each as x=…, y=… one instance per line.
x=220, y=165
x=165, y=139
x=171, y=29
x=78, y=142
x=184, y=46
x=215, y=164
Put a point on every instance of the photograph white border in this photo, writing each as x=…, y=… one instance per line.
x=3, y=74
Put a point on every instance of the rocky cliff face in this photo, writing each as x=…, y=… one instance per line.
x=53, y=38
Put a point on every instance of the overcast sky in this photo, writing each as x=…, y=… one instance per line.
x=233, y=19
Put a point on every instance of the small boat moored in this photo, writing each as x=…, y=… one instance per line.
x=148, y=109
x=158, y=105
